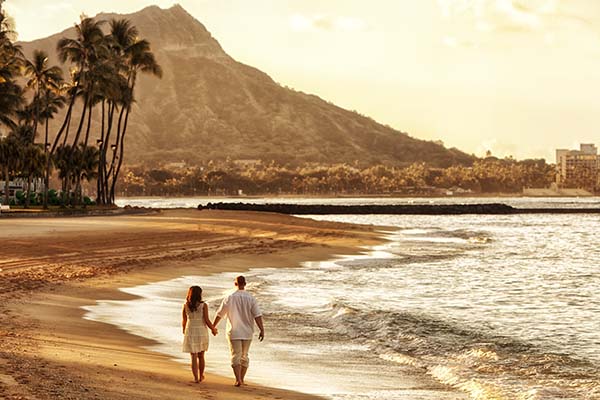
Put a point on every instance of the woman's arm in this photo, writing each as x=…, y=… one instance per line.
x=183, y=319
x=212, y=328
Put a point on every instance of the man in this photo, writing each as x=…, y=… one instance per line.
x=241, y=310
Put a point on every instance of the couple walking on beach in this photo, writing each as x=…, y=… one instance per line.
x=241, y=311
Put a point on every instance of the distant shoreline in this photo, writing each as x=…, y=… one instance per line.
x=357, y=196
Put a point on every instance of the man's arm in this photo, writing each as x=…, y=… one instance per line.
x=259, y=322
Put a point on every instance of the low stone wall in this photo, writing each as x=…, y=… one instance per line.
x=426, y=209
x=401, y=209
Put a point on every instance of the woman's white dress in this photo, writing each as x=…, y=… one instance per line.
x=195, y=337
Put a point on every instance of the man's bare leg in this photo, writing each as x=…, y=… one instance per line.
x=237, y=371
x=243, y=371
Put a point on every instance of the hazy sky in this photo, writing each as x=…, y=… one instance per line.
x=517, y=77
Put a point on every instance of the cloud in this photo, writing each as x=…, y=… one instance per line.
x=480, y=21
x=59, y=7
x=499, y=14
x=302, y=23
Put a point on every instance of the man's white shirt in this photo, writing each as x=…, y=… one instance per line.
x=240, y=308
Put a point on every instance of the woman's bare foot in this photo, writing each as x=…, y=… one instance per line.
x=237, y=383
x=202, y=378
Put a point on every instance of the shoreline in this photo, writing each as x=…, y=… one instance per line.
x=360, y=196
x=54, y=352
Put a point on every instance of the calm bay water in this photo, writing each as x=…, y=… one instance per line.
x=520, y=202
x=492, y=307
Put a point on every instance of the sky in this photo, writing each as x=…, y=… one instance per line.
x=516, y=77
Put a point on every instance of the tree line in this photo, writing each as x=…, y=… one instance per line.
x=103, y=69
x=490, y=175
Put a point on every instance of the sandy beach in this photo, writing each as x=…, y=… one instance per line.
x=51, y=267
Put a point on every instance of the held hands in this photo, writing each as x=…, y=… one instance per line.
x=261, y=335
x=214, y=331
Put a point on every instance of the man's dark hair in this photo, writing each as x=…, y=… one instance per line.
x=240, y=281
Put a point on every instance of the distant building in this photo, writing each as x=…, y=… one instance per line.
x=578, y=168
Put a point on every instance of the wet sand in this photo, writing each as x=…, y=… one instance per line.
x=51, y=267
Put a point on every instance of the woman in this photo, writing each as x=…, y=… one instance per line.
x=195, y=330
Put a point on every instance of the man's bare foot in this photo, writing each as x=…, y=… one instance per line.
x=237, y=384
x=202, y=378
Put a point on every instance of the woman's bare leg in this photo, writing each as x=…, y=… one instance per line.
x=195, y=366
x=201, y=365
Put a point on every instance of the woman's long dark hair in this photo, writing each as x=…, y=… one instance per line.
x=194, y=297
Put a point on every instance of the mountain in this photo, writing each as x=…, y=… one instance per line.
x=209, y=106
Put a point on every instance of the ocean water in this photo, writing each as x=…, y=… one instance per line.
x=519, y=202
x=451, y=307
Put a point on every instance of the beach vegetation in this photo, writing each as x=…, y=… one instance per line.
x=104, y=59
x=225, y=178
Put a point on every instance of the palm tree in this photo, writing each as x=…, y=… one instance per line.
x=138, y=58
x=10, y=156
x=59, y=101
x=84, y=167
x=53, y=102
x=32, y=166
x=42, y=79
x=11, y=96
x=104, y=73
x=62, y=162
x=84, y=52
x=114, y=93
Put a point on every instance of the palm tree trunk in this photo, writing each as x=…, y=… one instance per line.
x=67, y=132
x=77, y=193
x=89, y=124
x=66, y=122
x=99, y=180
x=119, y=133
x=104, y=150
x=28, y=191
x=67, y=190
x=76, y=139
x=46, y=137
x=37, y=111
x=121, y=152
x=111, y=171
x=81, y=120
x=6, y=187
